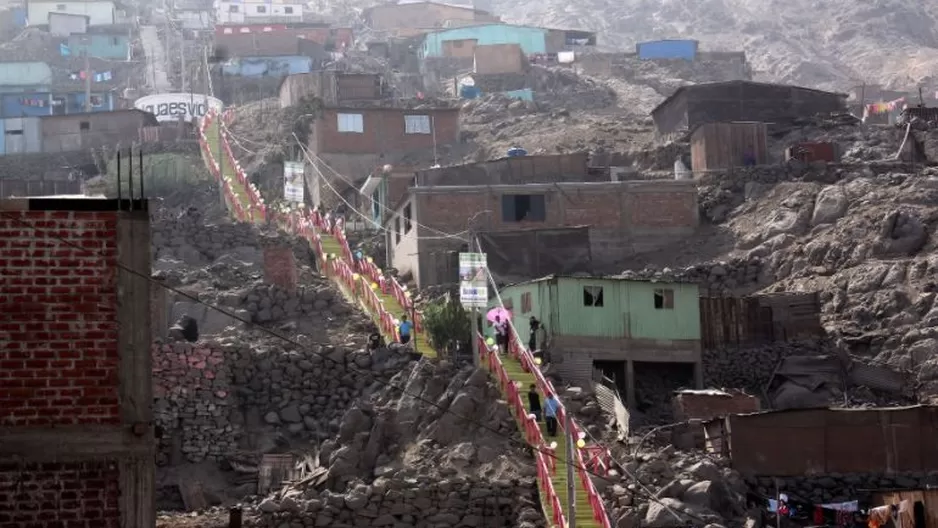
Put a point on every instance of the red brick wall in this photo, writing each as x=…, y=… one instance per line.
x=280, y=267
x=383, y=132
x=662, y=209
x=59, y=495
x=59, y=358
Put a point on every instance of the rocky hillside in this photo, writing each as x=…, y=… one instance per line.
x=831, y=44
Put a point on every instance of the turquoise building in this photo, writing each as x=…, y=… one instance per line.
x=532, y=40
x=115, y=46
x=608, y=325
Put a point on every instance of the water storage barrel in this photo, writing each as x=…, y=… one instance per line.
x=516, y=152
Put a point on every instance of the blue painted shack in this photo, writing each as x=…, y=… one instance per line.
x=103, y=46
x=268, y=66
x=667, y=49
x=461, y=42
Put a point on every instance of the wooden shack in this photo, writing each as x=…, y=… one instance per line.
x=721, y=146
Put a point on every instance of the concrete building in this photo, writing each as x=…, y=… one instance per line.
x=527, y=228
x=76, y=405
x=99, y=12
x=612, y=325
x=267, y=66
x=419, y=17
x=111, y=42
x=67, y=133
x=65, y=24
x=724, y=102
x=351, y=141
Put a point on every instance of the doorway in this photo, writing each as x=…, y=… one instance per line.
x=612, y=375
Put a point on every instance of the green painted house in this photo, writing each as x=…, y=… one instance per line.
x=609, y=324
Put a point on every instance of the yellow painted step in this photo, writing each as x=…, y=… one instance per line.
x=211, y=139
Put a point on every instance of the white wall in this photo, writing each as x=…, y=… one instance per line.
x=99, y=12
x=258, y=12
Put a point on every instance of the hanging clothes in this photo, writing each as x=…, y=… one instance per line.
x=880, y=516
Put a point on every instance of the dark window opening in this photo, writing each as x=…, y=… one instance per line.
x=84, y=125
x=288, y=10
x=407, y=218
x=526, y=302
x=664, y=299
x=261, y=9
x=593, y=296
x=524, y=208
x=114, y=41
x=232, y=9
x=14, y=132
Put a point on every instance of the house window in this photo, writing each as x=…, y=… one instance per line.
x=261, y=9
x=114, y=41
x=13, y=132
x=664, y=299
x=407, y=218
x=60, y=7
x=593, y=296
x=96, y=100
x=354, y=123
x=288, y=10
x=84, y=125
x=232, y=9
x=416, y=124
x=526, y=302
x=524, y=208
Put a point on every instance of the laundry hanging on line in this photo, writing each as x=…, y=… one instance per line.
x=882, y=108
x=96, y=77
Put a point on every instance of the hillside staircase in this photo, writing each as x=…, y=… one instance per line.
x=385, y=300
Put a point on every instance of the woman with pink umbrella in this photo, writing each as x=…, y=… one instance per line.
x=500, y=319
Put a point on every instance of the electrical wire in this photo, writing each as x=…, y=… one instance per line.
x=193, y=298
x=323, y=179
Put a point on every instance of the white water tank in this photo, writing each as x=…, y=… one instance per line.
x=681, y=172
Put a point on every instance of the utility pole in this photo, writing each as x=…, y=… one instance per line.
x=571, y=474
x=87, y=82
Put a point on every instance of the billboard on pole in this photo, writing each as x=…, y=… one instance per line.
x=473, y=280
x=293, y=181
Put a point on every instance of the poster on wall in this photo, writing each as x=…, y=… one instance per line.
x=293, y=181
x=473, y=280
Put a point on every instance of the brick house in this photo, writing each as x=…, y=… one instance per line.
x=75, y=389
x=332, y=87
x=349, y=142
x=614, y=220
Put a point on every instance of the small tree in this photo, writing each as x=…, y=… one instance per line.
x=446, y=323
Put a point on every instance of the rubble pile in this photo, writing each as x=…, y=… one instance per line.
x=421, y=502
x=714, y=278
x=671, y=489
x=752, y=368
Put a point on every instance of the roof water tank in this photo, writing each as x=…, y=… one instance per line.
x=516, y=152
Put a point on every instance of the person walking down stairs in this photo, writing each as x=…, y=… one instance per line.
x=550, y=414
x=404, y=328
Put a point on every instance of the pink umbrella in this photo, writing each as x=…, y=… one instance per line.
x=501, y=313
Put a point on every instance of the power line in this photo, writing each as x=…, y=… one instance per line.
x=323, y=179
x=544, y=450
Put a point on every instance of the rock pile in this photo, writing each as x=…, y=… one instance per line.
x=425, y=502
x=192, y=395
x=751, y=368
x=714, y=278
x=672, y=489
x=839, y=487
x=306, y=393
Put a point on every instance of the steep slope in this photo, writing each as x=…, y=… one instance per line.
x=829, y=44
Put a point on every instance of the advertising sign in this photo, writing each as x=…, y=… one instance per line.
x=171, y=107
x=473, y=280
x=293, y=181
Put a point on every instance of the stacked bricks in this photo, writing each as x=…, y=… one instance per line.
x=59, y=359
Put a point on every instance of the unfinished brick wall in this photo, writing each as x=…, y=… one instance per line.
x=59, y=362
x=280, y=267
x=75, y=494
x=59, y=359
